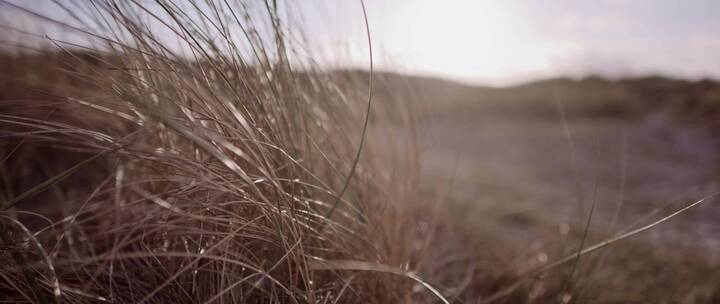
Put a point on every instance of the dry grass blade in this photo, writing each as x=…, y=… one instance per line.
x=49, y=182
x=28, y=274
x=356, y=160
x=506, y=291
x=365, y=266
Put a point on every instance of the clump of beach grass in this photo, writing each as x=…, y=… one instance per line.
x=227, y=169
x=193, y=152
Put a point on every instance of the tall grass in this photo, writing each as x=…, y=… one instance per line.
x=192, y=152
x=224, y=169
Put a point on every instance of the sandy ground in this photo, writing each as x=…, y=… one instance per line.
x=526, y=173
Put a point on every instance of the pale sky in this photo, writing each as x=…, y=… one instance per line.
x=512, y=41
x=504, y=42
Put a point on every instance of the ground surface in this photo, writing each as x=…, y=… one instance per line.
x=522, y=173
x=508, y=160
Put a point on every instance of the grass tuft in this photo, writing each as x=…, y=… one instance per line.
x=221, y=170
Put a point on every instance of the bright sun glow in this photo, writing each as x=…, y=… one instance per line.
x=471, y=40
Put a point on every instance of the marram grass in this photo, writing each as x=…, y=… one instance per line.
x=193, y=152
x=222, y=170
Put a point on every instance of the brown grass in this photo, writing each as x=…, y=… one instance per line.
x=233, y=169
x=132, y=174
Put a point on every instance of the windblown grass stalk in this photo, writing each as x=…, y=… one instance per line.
x=214, y=172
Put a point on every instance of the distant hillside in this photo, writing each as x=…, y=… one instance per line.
x=694, y=102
